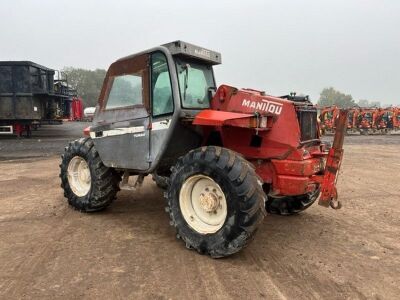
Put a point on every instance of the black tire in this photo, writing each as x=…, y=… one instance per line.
x=244, y=195
x=161, y=181
x=287, y=206
x=104, y=180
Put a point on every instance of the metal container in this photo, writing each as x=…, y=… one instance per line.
x=26, y=90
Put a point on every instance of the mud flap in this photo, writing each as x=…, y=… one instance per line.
x=329, y=196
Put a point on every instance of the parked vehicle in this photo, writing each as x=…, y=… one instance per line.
x=363, y=120
x=224, y=155
x=29, y=95
x=89, y=112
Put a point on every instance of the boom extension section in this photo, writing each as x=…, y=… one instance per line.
x=329, y=196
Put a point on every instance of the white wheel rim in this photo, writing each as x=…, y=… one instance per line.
x=79, y=177
x=203, y=204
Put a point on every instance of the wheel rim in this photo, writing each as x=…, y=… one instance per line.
x=79, y=177
x=203, y=204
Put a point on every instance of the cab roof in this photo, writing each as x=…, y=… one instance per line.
x=183, y=49
x=187, y=49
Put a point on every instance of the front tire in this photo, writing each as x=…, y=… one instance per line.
x=161, y=181
x=215, y=201
x=88, y=184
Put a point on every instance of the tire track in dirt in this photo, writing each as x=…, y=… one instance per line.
x=264, y=282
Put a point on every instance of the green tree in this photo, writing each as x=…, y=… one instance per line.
x=330, y=96
x=88, y=83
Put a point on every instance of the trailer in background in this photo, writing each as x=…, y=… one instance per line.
x=29, y=96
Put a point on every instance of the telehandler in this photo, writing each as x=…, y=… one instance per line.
x=224, y=155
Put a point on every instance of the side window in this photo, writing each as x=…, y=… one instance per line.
x=161, y=90
x=126, y=90
x=194, y=81
x=196, y=88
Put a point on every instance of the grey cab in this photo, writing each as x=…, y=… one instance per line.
x=137, y=122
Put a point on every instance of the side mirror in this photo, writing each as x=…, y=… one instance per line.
x=211, y=92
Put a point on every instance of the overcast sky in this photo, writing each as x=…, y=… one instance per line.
x=276, y=46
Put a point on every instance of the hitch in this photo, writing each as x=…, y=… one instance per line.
x=329, y=196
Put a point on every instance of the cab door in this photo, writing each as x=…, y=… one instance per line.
x=162, y=102
x=121, y=125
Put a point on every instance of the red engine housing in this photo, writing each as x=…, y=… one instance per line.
x=266, y=130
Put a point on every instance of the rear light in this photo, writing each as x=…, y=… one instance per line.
x=86, y=131
x=253, y=122
x=258, y=122
x=263, y=122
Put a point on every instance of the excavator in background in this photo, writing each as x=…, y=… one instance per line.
x=352, y=117
x=327, y=118
x=394, y=119
x=365, y=120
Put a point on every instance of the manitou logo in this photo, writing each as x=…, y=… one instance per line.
x=203, y=52
x=265, y=105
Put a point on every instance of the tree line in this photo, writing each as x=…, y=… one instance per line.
x=330, y=96
x=88, y=84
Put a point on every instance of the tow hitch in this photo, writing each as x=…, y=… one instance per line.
x=329, y=196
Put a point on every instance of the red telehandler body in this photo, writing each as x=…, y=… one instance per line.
x=224, y=156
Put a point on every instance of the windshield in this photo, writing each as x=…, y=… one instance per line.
x=194, y=81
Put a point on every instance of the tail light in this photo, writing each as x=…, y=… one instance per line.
x=264, y=122
x=258, y=122
x=86, y=131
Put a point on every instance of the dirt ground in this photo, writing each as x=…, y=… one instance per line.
x=47, y=141
x=49, y=251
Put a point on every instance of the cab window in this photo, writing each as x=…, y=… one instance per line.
x=194, y=81
x=126, y=90
x=161, y=85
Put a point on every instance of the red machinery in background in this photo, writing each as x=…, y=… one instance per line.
x=327, y=117
x=364, y=120
x=76, y=113
x=394, y=118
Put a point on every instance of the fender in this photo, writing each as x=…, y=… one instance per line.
x=209, y=117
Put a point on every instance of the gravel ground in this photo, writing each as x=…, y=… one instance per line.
x=48, y=140
x=50, y=251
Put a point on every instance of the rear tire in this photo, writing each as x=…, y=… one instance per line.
x=215, y=173
x=88, y=184
x=287, y=206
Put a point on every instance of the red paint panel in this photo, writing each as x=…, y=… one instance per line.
x=291, y=185
x=299, y=168
x=217, y=118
